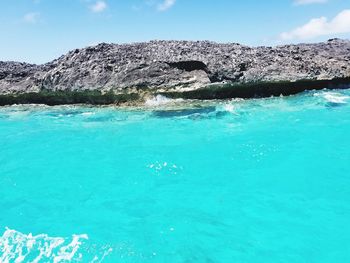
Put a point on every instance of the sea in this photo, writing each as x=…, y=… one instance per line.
x=178, y=181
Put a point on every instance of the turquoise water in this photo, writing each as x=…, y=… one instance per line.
x=265, y=180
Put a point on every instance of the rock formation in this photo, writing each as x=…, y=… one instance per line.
x=201, y=69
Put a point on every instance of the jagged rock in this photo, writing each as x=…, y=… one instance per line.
x=176, y=66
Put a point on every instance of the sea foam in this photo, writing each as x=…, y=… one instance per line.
x=334, y=97
x=160, y=100
x=18, y=247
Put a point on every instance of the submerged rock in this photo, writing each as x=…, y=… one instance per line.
x=200, y=69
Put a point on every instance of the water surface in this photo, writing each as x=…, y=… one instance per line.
x=263, y=180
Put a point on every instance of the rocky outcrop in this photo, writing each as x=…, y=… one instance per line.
x=200, y=69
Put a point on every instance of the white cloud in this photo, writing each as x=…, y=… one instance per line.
x=31, y=18
x=320, y=27
x=98, y=7
x=166, y=4
x=307, y=2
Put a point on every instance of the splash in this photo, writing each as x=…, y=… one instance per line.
x=334, y=97
x=160, y=100
x=18, y=247
x=230, y=108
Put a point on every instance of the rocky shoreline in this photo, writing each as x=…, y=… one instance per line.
x=130, y=73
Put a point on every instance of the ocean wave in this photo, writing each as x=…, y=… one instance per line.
x=15, y=114
x=160, y=100
x=88, y=113
x=18, y=247
x=333, y=97
x=229, y=107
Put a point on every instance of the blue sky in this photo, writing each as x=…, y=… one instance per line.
x=38, y=31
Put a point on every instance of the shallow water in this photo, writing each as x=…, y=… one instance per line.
x=262, y=180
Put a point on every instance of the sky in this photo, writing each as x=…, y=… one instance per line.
x=38, y=31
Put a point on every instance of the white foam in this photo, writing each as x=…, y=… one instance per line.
x=88, y=113
x=229, y=108
x=334, y=97
x=160, y=100
x=18, y=247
